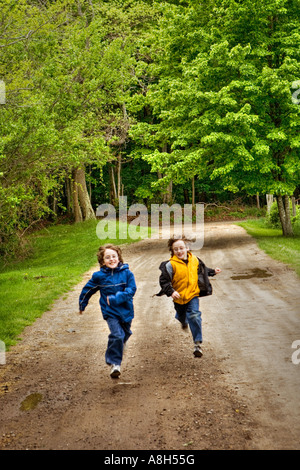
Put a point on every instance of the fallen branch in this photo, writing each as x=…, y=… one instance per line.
x=214, y=204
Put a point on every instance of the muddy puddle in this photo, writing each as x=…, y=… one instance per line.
x=257, y=273
x=31, y=401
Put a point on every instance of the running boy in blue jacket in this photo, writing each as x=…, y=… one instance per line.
x=117, y=287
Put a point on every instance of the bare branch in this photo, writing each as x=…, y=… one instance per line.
x=29, y=34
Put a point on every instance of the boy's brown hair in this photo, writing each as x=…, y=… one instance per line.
x=174, y=239
x=101, y=251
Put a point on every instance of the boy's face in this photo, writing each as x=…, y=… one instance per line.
x=180, y=249
x=111, y=258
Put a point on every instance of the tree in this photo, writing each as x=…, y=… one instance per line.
x=26, y=179
x=223, y=96
x=68, y=68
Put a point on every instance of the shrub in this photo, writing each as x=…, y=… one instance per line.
x=273, y=219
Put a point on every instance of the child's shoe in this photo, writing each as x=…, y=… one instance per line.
x=197, y=350
x=115, y=371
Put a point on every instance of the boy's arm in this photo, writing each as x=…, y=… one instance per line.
x=89, y=289
x=165, y=279
x=125, y=295
x=213, y=272
x=210, y=271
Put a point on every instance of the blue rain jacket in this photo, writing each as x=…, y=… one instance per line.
x=118, y=285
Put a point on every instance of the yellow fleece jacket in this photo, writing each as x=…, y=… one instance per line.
x=185, y=278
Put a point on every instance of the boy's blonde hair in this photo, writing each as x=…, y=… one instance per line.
x=101, y=251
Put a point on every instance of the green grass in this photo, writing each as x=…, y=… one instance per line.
x=60, y=255
x=271, y=240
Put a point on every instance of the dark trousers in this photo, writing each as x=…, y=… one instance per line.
x=190, y=313
x=119, y=334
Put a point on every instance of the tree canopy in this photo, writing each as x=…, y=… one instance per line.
x=117, y=97
x=222, y=97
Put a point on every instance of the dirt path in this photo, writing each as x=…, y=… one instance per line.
x=242, y=394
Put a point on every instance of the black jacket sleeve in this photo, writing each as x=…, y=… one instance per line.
x=203, y=282
x=165, y=281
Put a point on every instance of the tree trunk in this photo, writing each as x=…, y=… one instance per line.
x=168, y=196
x=257, y=201
x=294, y=210
x=54, y=203
x=186, y=196
x=113, y=189
x=119, y=174
x=270, y=200
x=283, y=203
x=81, y=198
x=193, y=191
x=75, y=204
x=90, y=183
x=68, y=191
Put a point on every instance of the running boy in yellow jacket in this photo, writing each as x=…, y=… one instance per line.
x=185, y=278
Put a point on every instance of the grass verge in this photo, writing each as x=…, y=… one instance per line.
x=271, y=240
x=60, y=255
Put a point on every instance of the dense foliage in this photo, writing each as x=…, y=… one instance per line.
x=175, y=101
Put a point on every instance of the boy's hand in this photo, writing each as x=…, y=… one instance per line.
x=175, y=295
x=218, y=270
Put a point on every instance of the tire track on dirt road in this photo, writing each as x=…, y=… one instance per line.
x=258, y=320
